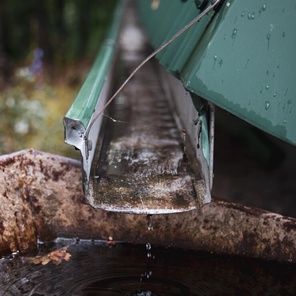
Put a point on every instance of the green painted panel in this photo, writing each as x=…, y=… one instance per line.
x=164, y=22
x=242, y=59
x=247, y=64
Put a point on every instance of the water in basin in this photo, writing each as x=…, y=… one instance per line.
x=104, y=268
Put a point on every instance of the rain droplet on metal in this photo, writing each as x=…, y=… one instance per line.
x=268, y=40
x=264, y=7
x=267, y=105
x=234, y=33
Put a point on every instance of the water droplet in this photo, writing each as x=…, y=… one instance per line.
x=283, y=34
x=249, y=16
x=243, y=14
x=234, y=33
x=267, y=86
x=264, y=7
x=149, y=255
x=148, y=246
x=284, y=121
x=253, y=16
x=268, y=40
x=215, y=59
x=267, y=105
x=149, y=222
x=274, y=95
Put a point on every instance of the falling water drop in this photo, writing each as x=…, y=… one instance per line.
x=148, y=246
x=267, y=86
x=149, y=222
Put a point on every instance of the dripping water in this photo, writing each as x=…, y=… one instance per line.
x=97, y=268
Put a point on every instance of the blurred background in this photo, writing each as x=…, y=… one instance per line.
x=46, y=51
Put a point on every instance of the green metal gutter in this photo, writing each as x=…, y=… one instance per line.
x=241, y=58
x=92, y=97
x=83, y=107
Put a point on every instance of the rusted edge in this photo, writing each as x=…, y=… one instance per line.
x=41, y=197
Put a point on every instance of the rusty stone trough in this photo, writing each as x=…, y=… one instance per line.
x=41, y=199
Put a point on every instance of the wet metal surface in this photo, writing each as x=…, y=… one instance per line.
x=96, y=268
x=140, y=163
x=41, y=197
x=142, y=166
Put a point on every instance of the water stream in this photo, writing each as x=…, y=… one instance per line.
x=104, y=268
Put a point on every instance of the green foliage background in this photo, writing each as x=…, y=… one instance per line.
x=32, y=105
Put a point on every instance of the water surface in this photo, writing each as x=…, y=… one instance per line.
x=99, y=268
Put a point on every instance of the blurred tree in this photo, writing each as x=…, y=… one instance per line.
x=66, y=30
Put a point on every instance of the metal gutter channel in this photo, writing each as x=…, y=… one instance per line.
x=141, y=165
x=136, y=158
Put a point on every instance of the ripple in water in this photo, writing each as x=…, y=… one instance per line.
x=97, y=268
